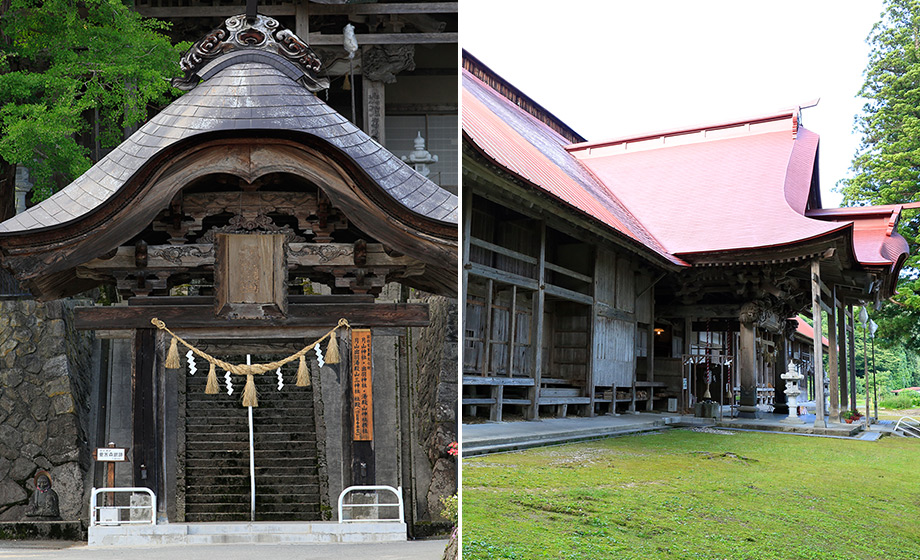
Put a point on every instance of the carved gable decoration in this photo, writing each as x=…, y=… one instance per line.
x=250, y=276
x=237, y=35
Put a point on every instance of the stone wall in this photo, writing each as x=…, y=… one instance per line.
x=45, y=389
x=436, y=351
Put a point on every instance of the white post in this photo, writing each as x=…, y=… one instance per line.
x=252, y=462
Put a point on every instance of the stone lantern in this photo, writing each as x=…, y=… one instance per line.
x=420, y=158
x=792, y=378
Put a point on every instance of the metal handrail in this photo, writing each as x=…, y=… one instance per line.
x=915, y=429
x=396, y=492
x=94, y=509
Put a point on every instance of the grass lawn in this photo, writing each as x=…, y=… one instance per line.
x=686, y=494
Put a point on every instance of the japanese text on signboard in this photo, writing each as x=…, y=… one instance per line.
x=361, y=387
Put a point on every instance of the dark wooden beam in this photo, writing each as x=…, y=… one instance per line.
x=209, y=300
x=145, y=445
x=303, y=315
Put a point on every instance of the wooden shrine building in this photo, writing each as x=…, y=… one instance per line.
x=250, y=217
x=655, y=271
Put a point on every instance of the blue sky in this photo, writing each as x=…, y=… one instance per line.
x=615, y=68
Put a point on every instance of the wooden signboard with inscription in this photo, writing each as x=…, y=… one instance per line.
x=249, y=276
x=361, y=385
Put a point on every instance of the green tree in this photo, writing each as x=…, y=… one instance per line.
x=68, y=68
x=886, y=168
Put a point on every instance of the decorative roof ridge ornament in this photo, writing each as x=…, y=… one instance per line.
x=263, y=34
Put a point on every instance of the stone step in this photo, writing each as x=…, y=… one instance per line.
x=283, y=465
x=203, y=517
x=258, y=436
x=258, y=415
x=262, y=498
x=201, y=423
x=230, y=507
x=283, y=448
x=292, y=483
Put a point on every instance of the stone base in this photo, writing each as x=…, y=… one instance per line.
x=795, y=420
x=42, y=530
x=249, y=533
x=745, y=411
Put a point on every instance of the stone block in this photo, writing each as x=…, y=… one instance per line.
x=11, y=492
x=10, y=378
x=22, y=469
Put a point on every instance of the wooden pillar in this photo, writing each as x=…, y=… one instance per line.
x=780, y=405
x=818, y=348
x=538, y=301
x=374, y=109
x=302, y=19
x=748, y=362
x=851, y=331
x=842, y=368
x=146, y=448
x=833, y=370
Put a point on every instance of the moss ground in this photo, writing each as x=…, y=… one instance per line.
x=685, y=494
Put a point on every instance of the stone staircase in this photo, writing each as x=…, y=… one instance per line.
x=217, y=453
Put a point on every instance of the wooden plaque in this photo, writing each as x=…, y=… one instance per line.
x=250, y=276
x=361, y=385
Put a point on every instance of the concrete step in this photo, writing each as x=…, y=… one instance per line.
x=244, y=532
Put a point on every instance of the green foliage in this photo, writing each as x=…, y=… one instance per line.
x=887, y=165
x=450, y=507
x=904, y=400
x=62, y=61
x=683, y=494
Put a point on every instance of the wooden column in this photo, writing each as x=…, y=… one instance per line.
x=851, y=331
x=842, y=368
x=302, y=19
x=780, y=405
x=538, y=301
x=833, y=370
x=818, y=348
x=467, y=214
x=374, y=109
x=747, y=372
x=146, y=449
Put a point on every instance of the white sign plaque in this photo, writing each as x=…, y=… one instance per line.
x=111, y=454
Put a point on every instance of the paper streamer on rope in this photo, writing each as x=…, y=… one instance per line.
x=319, y=355
x=280, y=379
x=190, y=358
x=250, y=397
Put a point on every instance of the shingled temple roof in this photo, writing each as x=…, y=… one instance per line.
x=245, y=90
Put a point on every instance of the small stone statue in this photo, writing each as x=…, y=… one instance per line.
x=44, y=501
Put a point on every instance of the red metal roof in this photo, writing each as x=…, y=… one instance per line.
x=876, y=241
x=530, y=149
x=805, y=330
x=732, y=187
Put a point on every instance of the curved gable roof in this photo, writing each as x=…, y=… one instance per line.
x=244, y=91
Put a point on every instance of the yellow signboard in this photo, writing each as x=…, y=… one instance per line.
x=361, y=385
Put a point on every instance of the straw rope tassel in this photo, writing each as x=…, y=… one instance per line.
x=172, y=357
x=303, y=374
x=213, y=387
x=332, y=351
x=250, y=398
